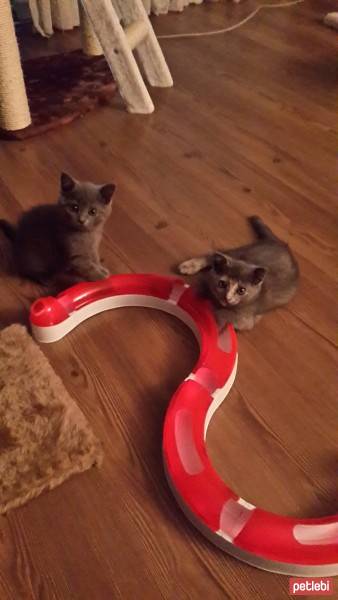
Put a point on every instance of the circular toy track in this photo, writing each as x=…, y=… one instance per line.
x=260, y=538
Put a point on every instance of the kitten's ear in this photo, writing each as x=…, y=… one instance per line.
x=107, y=191
x=67, y=183
x=258, y=275
x=220, y=263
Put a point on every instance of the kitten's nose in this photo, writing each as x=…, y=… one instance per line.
x=82, y=220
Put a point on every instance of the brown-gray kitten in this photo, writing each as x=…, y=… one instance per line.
x=57, y=245
x=246, y=282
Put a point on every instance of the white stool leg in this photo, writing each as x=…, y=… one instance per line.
x=149, y=50
x=119, y=55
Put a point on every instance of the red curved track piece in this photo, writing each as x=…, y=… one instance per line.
x=264, y=539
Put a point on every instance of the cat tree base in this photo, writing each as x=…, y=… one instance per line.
x=62, y=88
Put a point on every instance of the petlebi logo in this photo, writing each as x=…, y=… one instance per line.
x=311, y=586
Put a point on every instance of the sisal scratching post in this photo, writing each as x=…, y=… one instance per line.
x=90, y=44
x=14, y=109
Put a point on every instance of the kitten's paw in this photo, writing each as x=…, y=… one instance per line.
x=244, y=323
x=105, y=273
x=190, y=267
x=97, y=273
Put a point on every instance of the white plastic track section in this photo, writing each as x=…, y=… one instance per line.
x=53, y=333
x=256, y=561
x=316, y=534
x=177, y=292
x=233, y=519
x=205, y=377
x=185, y=443
x=219, y=396
x=246, y=504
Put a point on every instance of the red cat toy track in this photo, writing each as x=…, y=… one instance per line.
x=263, y=539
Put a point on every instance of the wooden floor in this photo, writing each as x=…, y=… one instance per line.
x=248, y=128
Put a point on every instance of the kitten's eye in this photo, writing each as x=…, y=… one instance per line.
x=222, y=284
x=92, y=212
x=241, y=291
x=75, y=207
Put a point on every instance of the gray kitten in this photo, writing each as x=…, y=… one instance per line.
x=246, y=282
x=58, y=244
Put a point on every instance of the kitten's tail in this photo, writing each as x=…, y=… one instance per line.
x=8, y=229
x=6, y=247
x=262, y=231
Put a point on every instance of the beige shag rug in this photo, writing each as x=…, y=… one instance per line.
x=44, y=437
